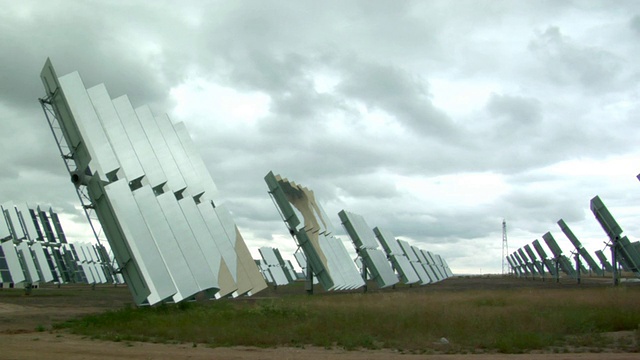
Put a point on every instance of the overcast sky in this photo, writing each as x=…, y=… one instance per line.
x=431, y=119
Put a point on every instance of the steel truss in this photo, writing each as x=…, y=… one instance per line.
x=67, y=154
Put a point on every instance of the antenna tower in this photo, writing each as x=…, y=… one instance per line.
x=505, y=248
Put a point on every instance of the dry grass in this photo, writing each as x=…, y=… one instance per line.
x=505, y=320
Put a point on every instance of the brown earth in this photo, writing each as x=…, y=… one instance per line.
x=26, y=327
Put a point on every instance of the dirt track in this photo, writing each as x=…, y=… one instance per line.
x=26, y=329
x=64, y=346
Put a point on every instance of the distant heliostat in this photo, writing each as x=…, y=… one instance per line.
x=35, y=250
x=327, y=256
x=324, y=254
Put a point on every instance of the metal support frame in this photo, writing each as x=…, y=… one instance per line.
x=309, y=275
x=578, y=267
x=364, y=272
x=308, y=286
x=614, y=259
x=67, y=155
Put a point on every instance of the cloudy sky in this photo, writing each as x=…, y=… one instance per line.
x=432, y=119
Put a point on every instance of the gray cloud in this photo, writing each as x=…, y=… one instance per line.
x=555, y=90
x=568, y=63
x=635, y=23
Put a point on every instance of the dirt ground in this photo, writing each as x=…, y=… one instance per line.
x=26, y=328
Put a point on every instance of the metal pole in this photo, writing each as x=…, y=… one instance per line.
x=578, y=267
x=309, y=282
x=614, y=260
x=364, y=275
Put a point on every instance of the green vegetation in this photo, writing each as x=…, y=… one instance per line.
x=510, y=320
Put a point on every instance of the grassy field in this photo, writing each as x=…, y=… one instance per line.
x=509, y=319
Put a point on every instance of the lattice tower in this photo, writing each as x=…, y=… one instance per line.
x=505, y=248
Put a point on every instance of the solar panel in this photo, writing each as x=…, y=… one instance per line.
x=155, y=211
x=93, y=263
x=562, y=261
x=441, y=265
x=283, y=265
x=249, y=279
x=604, y=217
x=629, y=255
x=180, y=233
x=46, y=226
x=521, y=270
x=359, y=231
x=26, y=260
x=151, y=168
x=388, y=241
x=302, y=262
x=152, y=147
x=203, y=244
x=378, y=267
x=264, y=270
x=36, y=222
x=365, y=242
x=12, y=221
x=550, y=265
x=291, y=270
x=24, y=216
x=340, y=281
x=415, y=262
x=447, y=268
x=606, y=265
x=41, y=263
x=402, y=264
x=228, y=276
x=527, y=262
x=552, y=244
x=593, y=265
x=434, y=269
x=273, y=266
x=53, y=265
x=83, y=264
x=56, y=224
x=567, y=267
x=513, y=265
x=395, y=254
x=5, y=273
x=522, y=263
x=537, y=264
x=433, y=265
x=99, y=153
x=200, y=169
x=4, y=228
x=70, y=263
x=434, y=276
x=581, y=250
x=147, y=275
x=350, y=273
x=13, y=262
x=288, y=196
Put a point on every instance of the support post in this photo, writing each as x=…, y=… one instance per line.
x=364, y=275
x=614, y=259
x=577, y=255
x=308, y=285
